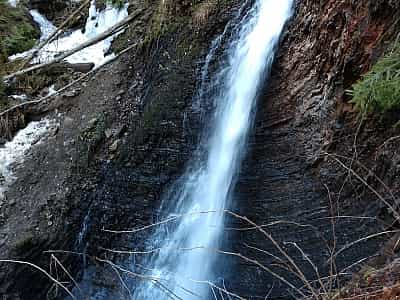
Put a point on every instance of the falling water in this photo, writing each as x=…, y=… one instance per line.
x=183, y=266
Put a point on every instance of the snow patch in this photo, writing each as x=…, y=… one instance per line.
x=13, y=3
x=97, y=23
x=22, y=97
x=46, y=27
x=14, y=152
x=51, y=91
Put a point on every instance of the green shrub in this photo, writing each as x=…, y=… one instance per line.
x=379, y=89
x=117, y=3
x=23, y=39
x=17, y=33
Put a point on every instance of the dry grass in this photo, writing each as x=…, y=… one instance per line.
x=203, y=12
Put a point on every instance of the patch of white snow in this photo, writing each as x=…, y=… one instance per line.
x=13, y=3
x=14, y=152
x=97, y=23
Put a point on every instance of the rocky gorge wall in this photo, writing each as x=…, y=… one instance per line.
x=125, y=134
x=309, y=147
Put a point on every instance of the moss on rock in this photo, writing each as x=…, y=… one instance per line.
x=18, y=32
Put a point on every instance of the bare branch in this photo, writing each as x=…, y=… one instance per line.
x=41, y=270
x=109, y=32
x=364, y=239
x=392, y=209
x=56, y=33
x=68, y=85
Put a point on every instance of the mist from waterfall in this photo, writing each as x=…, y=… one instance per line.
x=184, y=248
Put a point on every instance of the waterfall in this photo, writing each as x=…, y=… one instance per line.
x=185, y=247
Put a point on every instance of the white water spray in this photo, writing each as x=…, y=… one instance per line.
x=184, y=263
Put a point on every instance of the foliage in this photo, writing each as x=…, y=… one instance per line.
x=117, y=3
x=22, y=39
x=17, y=33
x=379, y=89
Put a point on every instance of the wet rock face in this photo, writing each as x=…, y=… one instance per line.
x=163, y=133
x=288, y=182
x=123, y=136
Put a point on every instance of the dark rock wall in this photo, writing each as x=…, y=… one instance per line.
x=303, y=114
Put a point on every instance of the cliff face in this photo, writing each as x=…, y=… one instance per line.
x=307, y=152
x=124, y=135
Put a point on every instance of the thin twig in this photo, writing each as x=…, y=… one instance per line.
x=171, y=219
x=283, y=252
x=395, y=213
x=41, y=270
x=109, y=32
x=68, y=85
x=68, y=274
x=364, y=239
x=56, y=33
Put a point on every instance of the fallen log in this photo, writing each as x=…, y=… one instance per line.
x=111, y=31
x=4, y=113
x=55, y=34
x=75, y=67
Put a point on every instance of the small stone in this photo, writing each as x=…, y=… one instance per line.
x=68, y=121
x=114, y=146
x=70, y=94
x=108, y=133
x=93, y=121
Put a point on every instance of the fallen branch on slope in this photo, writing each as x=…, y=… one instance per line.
x=2, y=114
x=109, y=32
x=41, y=270
x=56, y=33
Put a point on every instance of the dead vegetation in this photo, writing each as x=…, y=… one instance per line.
x=378, y=276
x=203, y=11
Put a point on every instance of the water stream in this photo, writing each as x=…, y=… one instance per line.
x=185, y=247
x=183, y=265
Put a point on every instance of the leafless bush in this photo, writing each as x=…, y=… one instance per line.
x=203, y=12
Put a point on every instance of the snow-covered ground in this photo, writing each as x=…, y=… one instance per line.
x=13, y=3
x=46, y=27
x=14, y=152
x=97, y=22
